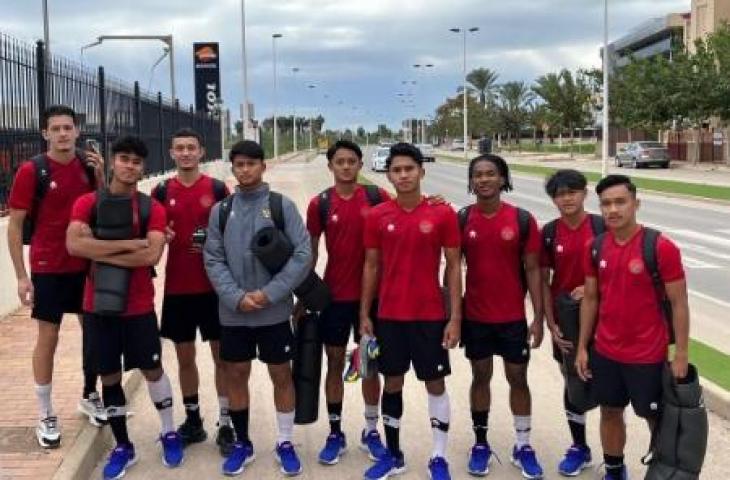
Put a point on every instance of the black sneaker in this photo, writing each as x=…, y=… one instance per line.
x=192, y=432
x=225, y=438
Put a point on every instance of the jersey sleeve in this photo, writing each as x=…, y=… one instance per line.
x=81, y=210
x=384, y=195
x=371, y=233
x=669, y=260
x=23, y=189
x=534, y=238
x=314, y=226
x=450, y=234
x=158, y=217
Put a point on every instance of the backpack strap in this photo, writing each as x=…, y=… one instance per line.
x=276, y=207
x=598, y=224
x=549, y=232
x=42, y=177
x=373, y=195
x=325, y=200
x=649, y=253
x=219, y=189
x=160, y=191
x=463, y=215
x=523, y=223
x=144, y=204
x=224, y=211
x=596, y=248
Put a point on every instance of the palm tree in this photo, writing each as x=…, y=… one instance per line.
x=484, y=81
x=513, y=100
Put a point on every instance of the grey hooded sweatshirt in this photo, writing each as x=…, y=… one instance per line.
x=234, y=270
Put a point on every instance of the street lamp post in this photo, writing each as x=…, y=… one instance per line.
x=276, y=127
x=466, y=108
x=46, y=31
x=311, y=123
x=605, y=132
x=294, y=116
x=244, y=120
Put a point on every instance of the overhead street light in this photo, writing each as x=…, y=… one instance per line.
x=464, y=31
x=294, y=71
x=166, y=39
x=276, y=127
x=422, y=129
x=311, y=119
x=606, y=120
x=245, y=113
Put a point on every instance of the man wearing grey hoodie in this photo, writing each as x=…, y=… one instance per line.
x=254, y=306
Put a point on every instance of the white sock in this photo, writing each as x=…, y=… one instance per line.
x=224, y=417
x=439, y=409
x=522, y=429
x=43, y=393
x=161, y=395
x=371, y=418
x=285, y=423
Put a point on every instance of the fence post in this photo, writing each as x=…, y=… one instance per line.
x=137, y=110
x=102, y=116
x=40, y=60
x=160, y=132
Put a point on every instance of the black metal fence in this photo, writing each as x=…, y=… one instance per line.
x=107, y=108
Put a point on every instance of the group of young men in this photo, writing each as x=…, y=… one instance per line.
x=384, y=273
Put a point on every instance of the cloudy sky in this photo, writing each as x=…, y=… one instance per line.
x=356, y=52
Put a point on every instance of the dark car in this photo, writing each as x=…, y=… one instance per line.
x=643, y=154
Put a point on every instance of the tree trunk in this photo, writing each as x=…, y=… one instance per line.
x=572, y=140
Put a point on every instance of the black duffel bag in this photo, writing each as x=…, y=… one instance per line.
x=307, y=369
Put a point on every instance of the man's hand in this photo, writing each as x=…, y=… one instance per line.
x=437, y=199
x=581, y=365
x=536, y=334
x=577, y=293
x=366, y=327
x=248, y=304
x=452, y=334
x=565, y=346
x=169, y=233
x=25, y=291
x=680, y=365
x=260, y=298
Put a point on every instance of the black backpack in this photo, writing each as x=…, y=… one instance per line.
x=160, y=192
x=549, y=232
x=42, y=183
x=276, y=209
x=523, y=224
x=372, y=193
x=648, y=249
x=144, y=203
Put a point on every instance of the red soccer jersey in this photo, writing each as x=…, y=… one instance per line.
x=410, y=244
x=188, y=208
x=68, y=182
x=141, y=289
x=494, y=287
x=344, y=240
x=630, y=326
x=566, y=258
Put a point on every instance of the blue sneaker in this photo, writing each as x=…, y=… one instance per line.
x=576, y=459
x=172, y=449
x=481, y=455
x=622, y=476
x=333, y=449
x=121, y=458
x=370, y=442
x=386, y=466
x=438, y=469
x=287, y=458
x=525, y=459
x=240, y=456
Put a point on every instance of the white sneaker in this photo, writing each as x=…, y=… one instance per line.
x=94, y=410
x=48, y=433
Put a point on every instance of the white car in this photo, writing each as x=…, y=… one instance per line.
x=427, y=152
x=377, y=161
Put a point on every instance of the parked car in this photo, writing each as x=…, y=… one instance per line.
x=427, y=152
x=457, y=145
x=377, y=161
x=641, y=154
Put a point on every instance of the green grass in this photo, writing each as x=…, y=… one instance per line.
x=711, y=363
x=657, y=185
x=578, y=148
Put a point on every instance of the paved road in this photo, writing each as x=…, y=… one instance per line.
x=701, y=229
x=550, y=436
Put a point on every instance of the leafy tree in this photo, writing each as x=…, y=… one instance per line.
x=484, y=82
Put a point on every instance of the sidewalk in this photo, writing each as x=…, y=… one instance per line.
x=550, y=436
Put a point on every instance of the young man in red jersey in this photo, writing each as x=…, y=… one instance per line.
x=339, y=213
x=622, y=314
x=56, y=280
x=564, y=242
x=404, y=240
x=190, y=303
x=130, y=339
x=501, y=245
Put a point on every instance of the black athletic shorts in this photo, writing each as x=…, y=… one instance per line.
x=615, y=384
x=272, y=344
x=338, y=319
x=117, y=342
x=419, y=342
x=508, y=340
x=55, y=294
x=184, y=315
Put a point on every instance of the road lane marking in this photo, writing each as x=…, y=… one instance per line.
x=709, y=298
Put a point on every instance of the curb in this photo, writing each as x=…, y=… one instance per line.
x=717, y=399
x=92, y=442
